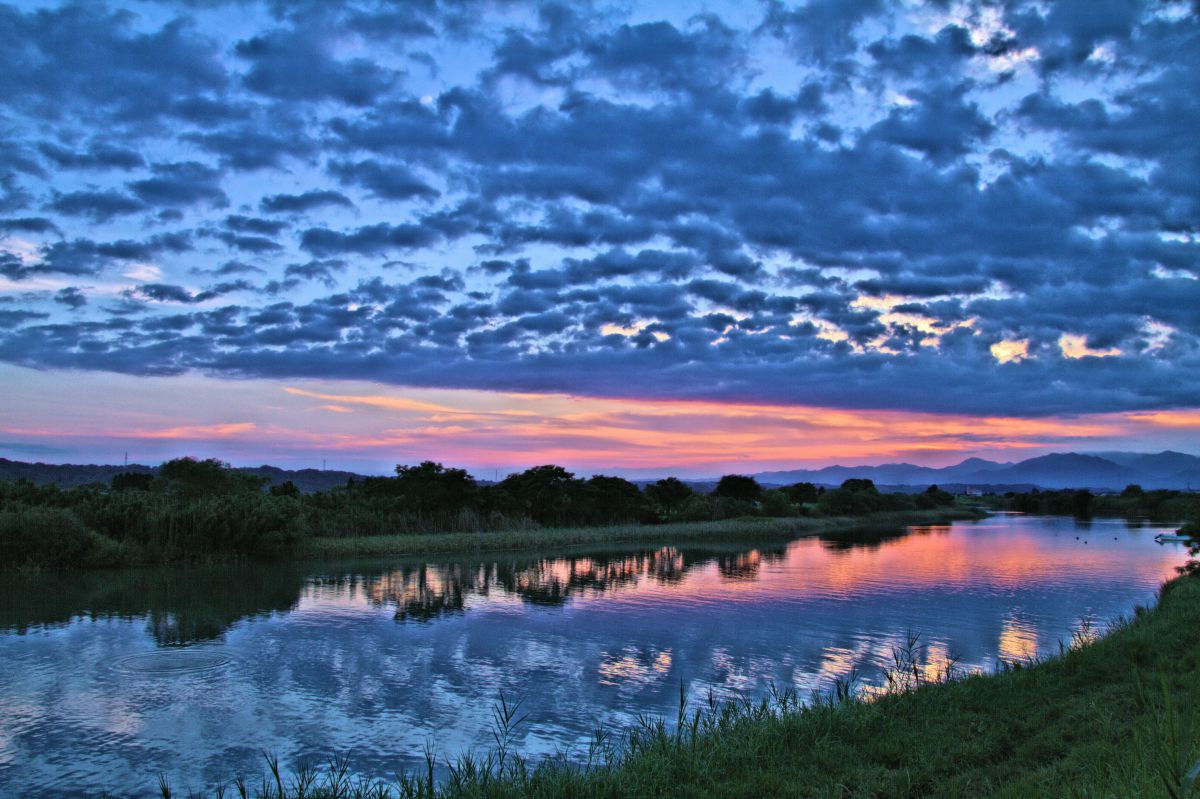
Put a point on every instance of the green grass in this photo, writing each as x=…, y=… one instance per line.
x=1116, y=717
x=679, y=532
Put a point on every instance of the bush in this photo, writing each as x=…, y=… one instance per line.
x=42, y=536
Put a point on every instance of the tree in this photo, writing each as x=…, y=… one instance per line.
x=545, y=493
x=933, y=496
x=669, y=494
x=1081, y=503
x=802, y=492
x=208, y=477
x=132, y=481
x=614, y=499
x=284, y=489
x=430, y=487
x=859, y=484
x=740, y=487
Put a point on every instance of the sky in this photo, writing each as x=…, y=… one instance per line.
x=638, y=238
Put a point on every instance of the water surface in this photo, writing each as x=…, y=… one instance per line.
x=109, y=679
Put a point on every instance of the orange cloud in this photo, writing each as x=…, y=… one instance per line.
x=1076, y=346
x=500, y=428
x=1181, y=419
x=197, y=431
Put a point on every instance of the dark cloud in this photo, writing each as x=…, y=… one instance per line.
x=657, y=54
x=753, y=205
x=391, y=181
x=941, y=124
x=99, y=206
x=296, y=64
x=307, y=201
x=29, y=224
x=255, y=225
x=92, y=62
x=98, y=156
x=369, y=240
x=259, y=145
x=71, y=297
x=820, y=30
x=181, y=184
x=166, y=292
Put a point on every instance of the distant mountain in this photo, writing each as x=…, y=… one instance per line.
x=1063, y=470
x=70, y=474
x=64, y=475
x=1058, y=470
x=1114, y=471
x=1164, y=464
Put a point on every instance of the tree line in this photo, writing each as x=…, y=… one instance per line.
x=193, y=509
x=1162, y=505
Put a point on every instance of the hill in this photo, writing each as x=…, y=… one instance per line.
x=74, y=474
x=1058, y=470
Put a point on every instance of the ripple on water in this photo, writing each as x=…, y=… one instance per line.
x=168, y=661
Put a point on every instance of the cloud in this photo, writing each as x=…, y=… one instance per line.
x=98, y=156
x=384, y=180
x=71, y=297
x=295, y=64
x=99, y=206
x=307, y=201
x=368, y=240
x=181, y=184
x=825, y=203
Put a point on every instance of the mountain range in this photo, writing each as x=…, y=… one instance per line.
x=1112, y=470
x=1106, y=471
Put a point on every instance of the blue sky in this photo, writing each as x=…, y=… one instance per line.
x=973, y=209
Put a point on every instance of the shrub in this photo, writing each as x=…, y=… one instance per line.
x=42, y=536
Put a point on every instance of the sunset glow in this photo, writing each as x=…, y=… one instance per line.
x=372, y=427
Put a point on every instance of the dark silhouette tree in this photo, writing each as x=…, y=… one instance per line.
x=544, y=493
x=132, y=481
x=614, y=499
x=209, y=477
x=669, y=495
x=739, y=487
x=284, y=489
x=801, y=492
x=431, y=488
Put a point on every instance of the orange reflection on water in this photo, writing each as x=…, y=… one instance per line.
x=1018, y=641
x=631, y=666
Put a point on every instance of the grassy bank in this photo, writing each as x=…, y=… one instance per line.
x=1118, y=717
x=679, y=532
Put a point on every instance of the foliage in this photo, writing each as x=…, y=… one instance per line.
x=668, y=496
x=739, y=487
x=1161, y=505
x=194, y=509
x=42, y=536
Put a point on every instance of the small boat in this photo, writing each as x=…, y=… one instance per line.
x=1164, y=538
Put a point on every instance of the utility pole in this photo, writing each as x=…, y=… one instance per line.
x=126, y=459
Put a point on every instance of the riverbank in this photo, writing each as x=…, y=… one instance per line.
x=1113, y=717
x=678, y=532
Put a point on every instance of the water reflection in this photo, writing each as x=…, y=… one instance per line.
x=423, y=592
x=178, y=606
x=382, y=658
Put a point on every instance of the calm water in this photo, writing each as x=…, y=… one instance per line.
x=108, y=679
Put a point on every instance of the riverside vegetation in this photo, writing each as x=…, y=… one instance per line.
x=195, y=510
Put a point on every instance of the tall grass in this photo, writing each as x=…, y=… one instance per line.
x=533, y=537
